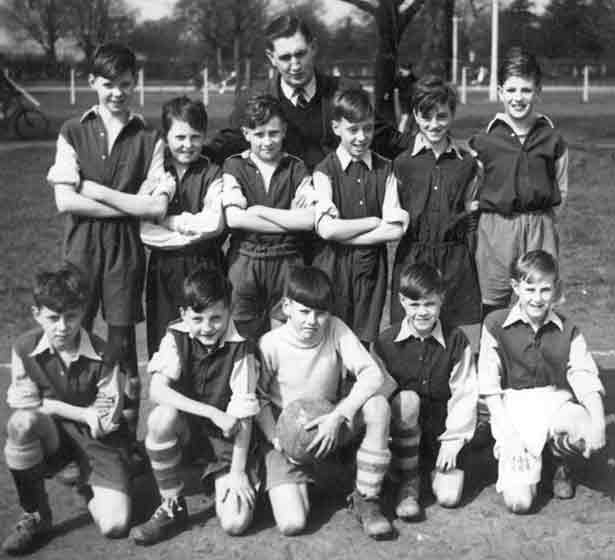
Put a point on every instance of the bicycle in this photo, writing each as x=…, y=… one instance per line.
x=23, y=117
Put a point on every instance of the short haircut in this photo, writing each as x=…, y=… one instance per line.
x=533, y=265
x=184, y=109
x=520, y=63
x=204, y=287
x=286, y=26
x=60, y=290
x=260, y=109
x=352, y=104
x=309, y=286
x=419, y=280
x=112, y=59
x=431, y=91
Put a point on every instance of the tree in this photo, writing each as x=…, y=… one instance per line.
x=94, y=21
x=391, y=17
x=223, y=26
x=43, y=21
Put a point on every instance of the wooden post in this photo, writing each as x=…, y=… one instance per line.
x=455, y=60
x=141, y=87
x=248, y=80
x=586, y=84
x=205, y=90
x=73, y=97
x=463, y=94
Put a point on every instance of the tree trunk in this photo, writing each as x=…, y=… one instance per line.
x=386, y=60
x=437, y=51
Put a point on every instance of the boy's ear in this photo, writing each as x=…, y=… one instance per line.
x=246, y=133
x=35, y=312
x=335, y=127
x=91, y=79
x=515, y=286
x=182, y=312
x=286, y=306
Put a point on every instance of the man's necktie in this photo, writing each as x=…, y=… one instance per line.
x=301, y=100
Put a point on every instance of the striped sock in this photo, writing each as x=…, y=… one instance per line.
x=21, y=456
x=405, y=447
x=372, y=465
x=165, y=458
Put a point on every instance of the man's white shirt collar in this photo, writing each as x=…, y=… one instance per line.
x=420, y=144
x=291, y=93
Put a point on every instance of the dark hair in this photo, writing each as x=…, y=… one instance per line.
x=204, y=287
x=521, y=63
x=431, y=91
x=353, y=104
x=112, y=59
x=61, y=289
x=286, y=26
x=260, y=109
x=420, y=280
x=533, y=264
x=309, y=286
x=184, y=109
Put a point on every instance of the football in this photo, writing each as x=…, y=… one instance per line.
x=293, y=437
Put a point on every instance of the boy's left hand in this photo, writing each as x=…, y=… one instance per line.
x=447, y=457
x=328, y=433
x=240, y=489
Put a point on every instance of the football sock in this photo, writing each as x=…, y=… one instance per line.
x=405, y=447
x=372, y=465
x=165, y=458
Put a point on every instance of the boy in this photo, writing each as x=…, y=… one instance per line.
x=357, y=214
x=102, y=160
x=540, y=383
x=66, y=401
x=267, y=201
x=434, y=405
x=309, y=357
x=203, y=382
x=525, y=160
x=437, y=183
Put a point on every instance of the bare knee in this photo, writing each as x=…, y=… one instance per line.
x=519, y=501
x=376, y=410
x=292, y=523
x=448, y=487
x=22, y=425
x=112, y=523
x=405, y=410
x=162, y=423
x=236, y=524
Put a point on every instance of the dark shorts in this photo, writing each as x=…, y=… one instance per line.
x=258, y=287
x=111, y=255
x=104, y=462
x=202, y=443
x=359, y=276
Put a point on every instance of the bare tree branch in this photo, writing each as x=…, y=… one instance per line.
x=362, y=5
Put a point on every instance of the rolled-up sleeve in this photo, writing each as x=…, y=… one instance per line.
x=243, y=382
x=324, y=199
x=489, y=365
x=232, y=194
x=461, y=406
x=392, y=212
x=582, y=373
x=65, y=169
x=22, y=392
x=166, y=360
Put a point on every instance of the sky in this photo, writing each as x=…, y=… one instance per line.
x=155, y=9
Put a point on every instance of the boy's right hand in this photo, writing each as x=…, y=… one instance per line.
x=227, y=423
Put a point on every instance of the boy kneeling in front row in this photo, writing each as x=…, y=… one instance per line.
x=309, y=357
x=434, y=407
x=541, y=385
x=66, y=405
x=204, y=381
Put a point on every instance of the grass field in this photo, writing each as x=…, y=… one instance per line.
x=30, y=237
